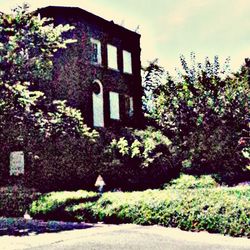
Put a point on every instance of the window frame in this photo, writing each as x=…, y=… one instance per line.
x=97, y=98
x=110, y=46
x=114, y=112
x=99, y=51
x=127, y=69
x=129, y=106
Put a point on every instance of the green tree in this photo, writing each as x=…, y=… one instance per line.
x=58, y=146
x=153, y=76
x=204, y=113
x=27, y=46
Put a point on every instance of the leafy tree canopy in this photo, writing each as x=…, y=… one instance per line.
x=203, y=111
x=27, y=46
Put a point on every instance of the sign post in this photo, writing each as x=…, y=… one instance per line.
x=100, y=184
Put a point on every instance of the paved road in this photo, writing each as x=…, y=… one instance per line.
x=126, y=236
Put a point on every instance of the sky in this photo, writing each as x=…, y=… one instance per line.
x=170, y=28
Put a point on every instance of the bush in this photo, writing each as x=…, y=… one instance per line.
x=15, y=200
x=217, y=210
x=66, y=162
x=51, y=205
x=137, y=159
x=190, y=181
x=54, y=163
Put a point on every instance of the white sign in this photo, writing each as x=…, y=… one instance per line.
x=16, y=163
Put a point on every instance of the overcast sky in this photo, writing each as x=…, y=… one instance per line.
x=173, y=27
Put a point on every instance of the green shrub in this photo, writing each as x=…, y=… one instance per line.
x=15, y=200
x=66, y=162
x=55, y=163
x=51, y=205
x=138, y=159
x=190, y=181
x=217, y=210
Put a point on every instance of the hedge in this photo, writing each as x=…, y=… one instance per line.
x=15, y=200
x=216, y=210
x=52, y=205
x=190, y=181
x=71, y=163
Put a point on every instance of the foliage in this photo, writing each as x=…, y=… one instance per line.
x=46, y=130
x=52, y=204
x=138, y=159
x=66, y=162
x=54, y=163
x=28, y=44
x=204, y=113
x=190, y=181
x=27, y=47
x=217, y=210
x=144, y=145
x=15, y=200
x=152, y=79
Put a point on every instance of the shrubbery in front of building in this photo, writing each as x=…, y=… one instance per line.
x=138, y=159
x=216, y=210
x=190, y=181
x=135, y=160
x=15, y=200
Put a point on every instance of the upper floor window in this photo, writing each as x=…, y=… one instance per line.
x=112, y=57
x=96, y=56
x=127, y=62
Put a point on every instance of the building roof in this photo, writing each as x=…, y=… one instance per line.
x=79, y=13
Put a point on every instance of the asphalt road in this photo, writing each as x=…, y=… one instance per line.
x=126, y=236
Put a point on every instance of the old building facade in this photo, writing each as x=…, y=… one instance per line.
x=100, y=73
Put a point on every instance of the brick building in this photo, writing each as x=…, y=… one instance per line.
x=100, y=74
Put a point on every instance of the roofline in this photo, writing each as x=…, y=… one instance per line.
x=93, y=15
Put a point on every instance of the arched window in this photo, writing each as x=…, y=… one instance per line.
x=97, y=97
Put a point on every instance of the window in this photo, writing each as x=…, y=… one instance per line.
x=127, y=62
x=97, y=98
x=129, y=106
x=112, y=57
x=114, y=105
x=96, y=56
